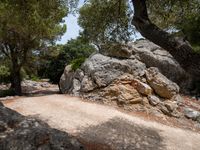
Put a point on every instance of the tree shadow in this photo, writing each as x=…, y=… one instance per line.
x=120, y=134
x=6, y=92
x=18, y=132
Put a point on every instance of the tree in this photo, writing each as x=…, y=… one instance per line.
x=181, y=17
x=27, y=25
x=75, y=52
x=191, y=28
x=179, y=48
x=106, y=21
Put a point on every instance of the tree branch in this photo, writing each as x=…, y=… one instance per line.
x=5, y=50
x=179, y=48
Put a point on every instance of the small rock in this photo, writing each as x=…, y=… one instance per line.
x=178, y=99
x=153, y=100
x=165, y=111
x=161, y=85
x=193, y=97
x=171, y=106
x=142, y=87
x=116, y=50
x=191, y=114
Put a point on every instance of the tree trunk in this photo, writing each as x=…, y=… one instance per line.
x=15, y=75
x=16, y=82
x=180, y=49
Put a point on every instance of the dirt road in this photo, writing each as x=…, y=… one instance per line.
x=104, y=127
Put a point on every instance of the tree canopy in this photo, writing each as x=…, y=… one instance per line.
x=26, y=26
x=98, y=19
x=181, y=16
x=106, y=21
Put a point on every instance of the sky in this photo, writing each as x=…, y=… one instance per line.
x=72, y=29
x=72, y=26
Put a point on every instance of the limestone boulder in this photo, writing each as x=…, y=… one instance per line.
x=103, y=69
x=171, y=105
x=154, y=56
x=66, y=80
x=142, y=88
x=153, y=100
x=191, y=113
x=116, y=50
x=161, y=85
x=169, y=108
x=122, y=91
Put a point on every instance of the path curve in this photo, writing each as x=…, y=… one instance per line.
x=103, y=125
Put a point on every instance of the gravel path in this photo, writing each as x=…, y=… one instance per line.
x=103, y=127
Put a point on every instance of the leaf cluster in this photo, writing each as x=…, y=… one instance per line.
x=75, y=52
x=106, y=20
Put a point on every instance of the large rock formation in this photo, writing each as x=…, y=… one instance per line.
x=128, y=76
x=99, y=71
x=21, y=133
x=154, y=56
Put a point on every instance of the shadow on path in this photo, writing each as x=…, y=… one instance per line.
x=120, y=134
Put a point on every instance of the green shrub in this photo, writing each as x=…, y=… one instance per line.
x=35, y=78
x=196, y=48
x=23, y=74
x=77, y=63
x=4, y=74
x=74, y=52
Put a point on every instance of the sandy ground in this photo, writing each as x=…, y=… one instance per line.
x=104, y=127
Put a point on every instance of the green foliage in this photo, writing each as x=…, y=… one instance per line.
x=23, y=74
x=34, y=78
x=77, y=63
x=27, y=26
x=191, y=28
x=169, y=13
x=33, y=22
x=183, y=16
x=4, y=74
x=106, y=21
x=197, y=48
x=76, y=49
